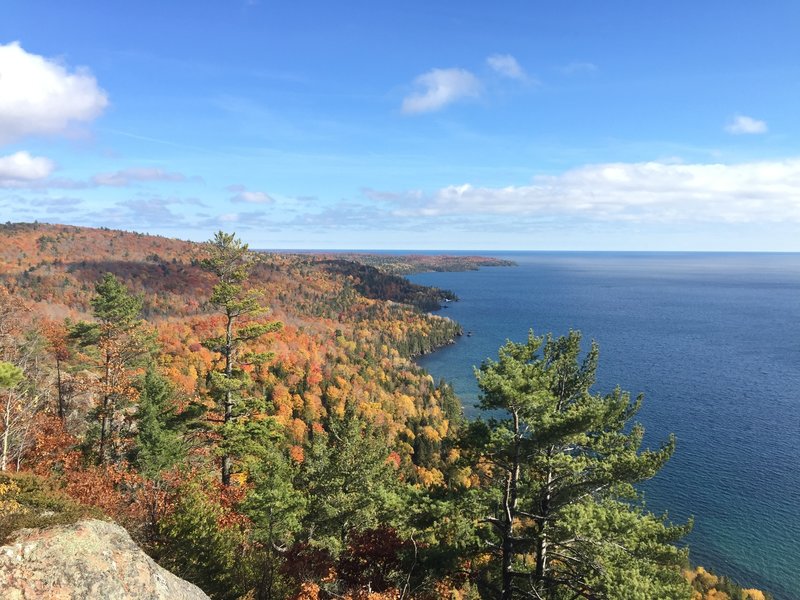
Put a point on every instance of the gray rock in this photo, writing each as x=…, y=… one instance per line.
x=89, y=559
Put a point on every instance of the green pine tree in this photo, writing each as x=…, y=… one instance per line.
x=231, y=262
x=566, y=521
x=349, y=482
x=274, y=505
x=159, y=443
x=121, y=343
x=195, y=547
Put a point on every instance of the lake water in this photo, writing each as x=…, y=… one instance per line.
x=713, y=340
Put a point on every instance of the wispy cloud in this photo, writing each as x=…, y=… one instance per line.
x=41, y=96
x=22, y=171
x=125, y=177
x=578, y=67
x=438, y=88
x=46, y=208
x=390, y=197
x=61, y=204
x=351, y=216
x=507, y=66
x=145, y=138
x=743, y=125
x=246, y=220
x=152, y=211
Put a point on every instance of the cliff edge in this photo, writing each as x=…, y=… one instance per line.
x=88, y=559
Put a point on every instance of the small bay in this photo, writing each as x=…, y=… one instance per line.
x=711, y=339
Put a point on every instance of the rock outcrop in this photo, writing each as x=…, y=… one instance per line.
x=89, y=559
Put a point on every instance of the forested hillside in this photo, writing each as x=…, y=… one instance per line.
x=256, y=422
x=417, y=263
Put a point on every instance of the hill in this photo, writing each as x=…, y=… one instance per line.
x=343, y=351
x=134, y=368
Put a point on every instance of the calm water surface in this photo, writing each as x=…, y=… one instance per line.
x=713, y=340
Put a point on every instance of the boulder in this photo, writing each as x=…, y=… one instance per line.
x=88, y=559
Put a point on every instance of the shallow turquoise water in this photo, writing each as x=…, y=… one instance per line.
x=713, y=340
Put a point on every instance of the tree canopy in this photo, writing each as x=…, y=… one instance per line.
x=565, y=518
x=351, y=473
x=231, y=262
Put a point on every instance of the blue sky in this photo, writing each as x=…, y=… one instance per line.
x=455, y=125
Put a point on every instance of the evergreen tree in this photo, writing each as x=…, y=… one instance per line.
x=231, y=262
x=273, y=504
x=121, y=343
x=197, y=548
x=350, y=484
x=10, y=375
x=566, y=521
x=159, y=444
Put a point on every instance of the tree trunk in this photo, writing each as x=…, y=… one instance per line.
x=510, y=509
x=7, y=418
x=542, y=542
x=226, y=459
x=60, y=388
x=104, y=414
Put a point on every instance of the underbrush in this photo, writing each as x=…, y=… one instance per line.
x=28, y=501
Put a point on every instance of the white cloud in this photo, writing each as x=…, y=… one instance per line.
x=440, y=87
x=253, y=197
x=21, y=169
x=249, y=196
x=758, y=192
x=41, y=96
x=742, y=124
x=507, y=66
x=127, y=176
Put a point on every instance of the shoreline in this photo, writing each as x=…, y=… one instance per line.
x=717, y=572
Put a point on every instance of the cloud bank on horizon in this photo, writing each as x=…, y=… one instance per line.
x=765, y=192
x=458, y=156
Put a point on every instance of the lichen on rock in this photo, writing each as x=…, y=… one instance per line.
x=88, y=559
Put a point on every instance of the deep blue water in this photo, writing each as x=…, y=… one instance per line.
x=713, y=340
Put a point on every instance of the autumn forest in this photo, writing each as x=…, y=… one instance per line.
x=258, y=424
